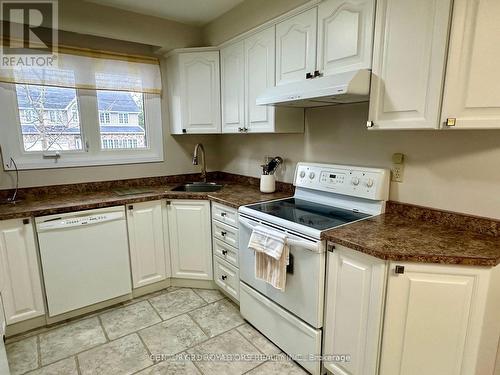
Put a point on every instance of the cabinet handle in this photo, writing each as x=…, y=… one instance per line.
x=224, y=252
x=309, y=75
x=223, y=214
x=26, y=221
x=223, y=233
x=369, y=124
x=223, y=277
x=240, y=130
x=451, y=121
x=184, y=131
x=317, y=74
x=330, y=247
x=399, y=270
x=130, y=206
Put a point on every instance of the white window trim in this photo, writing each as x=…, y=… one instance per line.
x=93, y=154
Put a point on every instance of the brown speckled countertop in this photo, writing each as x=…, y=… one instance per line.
x=235, y=193
x=400, y=235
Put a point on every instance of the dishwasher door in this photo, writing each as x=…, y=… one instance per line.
x=85, y=258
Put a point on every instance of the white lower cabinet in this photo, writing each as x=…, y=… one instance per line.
x=149, y=246
x=190, y=239
x=225, y=245
x=19, y=274
x=354, y=308
x=440, y=320
x=227, y=277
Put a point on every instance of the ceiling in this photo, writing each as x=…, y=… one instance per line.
x=192, y=12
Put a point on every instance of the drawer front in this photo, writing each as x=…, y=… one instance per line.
x=226, y=252
x=227, y=277
x=225, y=214
x=225, y=233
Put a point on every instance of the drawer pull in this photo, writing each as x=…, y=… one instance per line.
x=223, y=233
x=223, y=214
x=223, y=277
x=399, y=270
x=224, y=252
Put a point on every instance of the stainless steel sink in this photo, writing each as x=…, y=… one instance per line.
x=199, y=187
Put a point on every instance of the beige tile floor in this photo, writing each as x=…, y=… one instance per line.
x=175, y=331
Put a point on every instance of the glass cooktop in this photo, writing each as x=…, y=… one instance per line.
x=314, y=215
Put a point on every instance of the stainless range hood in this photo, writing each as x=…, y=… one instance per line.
x=342, y=88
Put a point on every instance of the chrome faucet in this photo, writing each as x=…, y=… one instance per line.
x=197, y=149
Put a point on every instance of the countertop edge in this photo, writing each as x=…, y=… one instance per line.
x=417, y=258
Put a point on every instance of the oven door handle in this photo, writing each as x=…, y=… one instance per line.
x=314, y=246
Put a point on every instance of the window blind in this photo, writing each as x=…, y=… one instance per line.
x=88, y=69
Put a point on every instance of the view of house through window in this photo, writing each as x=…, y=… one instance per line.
x=121, y=119
x=48, y=118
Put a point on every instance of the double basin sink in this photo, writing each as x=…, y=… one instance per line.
x=199, y=187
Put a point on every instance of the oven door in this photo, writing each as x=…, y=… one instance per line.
x=305, y=279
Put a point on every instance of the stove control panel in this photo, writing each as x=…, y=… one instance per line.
x=363, y=182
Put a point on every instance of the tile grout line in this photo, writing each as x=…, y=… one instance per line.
x=77, y=362
x=39, y=351
x=103, y=329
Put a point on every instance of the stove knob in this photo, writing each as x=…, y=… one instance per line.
x=302, y=174
x=311, y=175
x=355, y=181
x=369, y=182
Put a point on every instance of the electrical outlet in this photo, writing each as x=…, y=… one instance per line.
x=397, y=171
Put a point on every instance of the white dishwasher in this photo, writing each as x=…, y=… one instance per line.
x=85, y=257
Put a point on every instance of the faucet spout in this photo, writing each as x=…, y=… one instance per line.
x=196, y=160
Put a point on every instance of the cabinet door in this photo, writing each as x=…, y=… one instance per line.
x=408, y=64
x=354, y=308
x=259, y=75
x=22, y=294
x=296, y=47
x=190, y=239
x=147, y=247
x=345, y=35
x=472, y=90
x=432, y=322
x=200, y=91
x=232, y=59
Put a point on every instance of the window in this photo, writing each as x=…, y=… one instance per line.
x=128, y=108
x=123, y=118
x=104, y=117
x=46, y=133
x=88, y=111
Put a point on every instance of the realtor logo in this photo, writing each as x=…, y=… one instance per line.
x=28, y=33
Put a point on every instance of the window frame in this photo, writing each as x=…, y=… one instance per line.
x=92, y=153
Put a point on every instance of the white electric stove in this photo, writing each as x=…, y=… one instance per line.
x=326, y=196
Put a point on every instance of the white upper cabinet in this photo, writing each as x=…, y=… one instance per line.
x=345, y=35
x=472, y=89
x=354, y=310
x=194, y=92
x=296, y=47
x=190, y=239
x=232, y=59
x=148, y=248
x=259, y=75
x=410, y=45
x=19, y=271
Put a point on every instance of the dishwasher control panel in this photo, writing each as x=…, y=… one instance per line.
x=81, y=218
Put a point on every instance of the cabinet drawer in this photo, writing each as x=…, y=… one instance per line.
x=225, y=233
x=226, y=252
x=227, y=277
x=225, y=214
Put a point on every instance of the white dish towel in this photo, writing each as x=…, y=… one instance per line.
x=271, y=256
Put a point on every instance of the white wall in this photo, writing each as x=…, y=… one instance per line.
x=452, y=170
